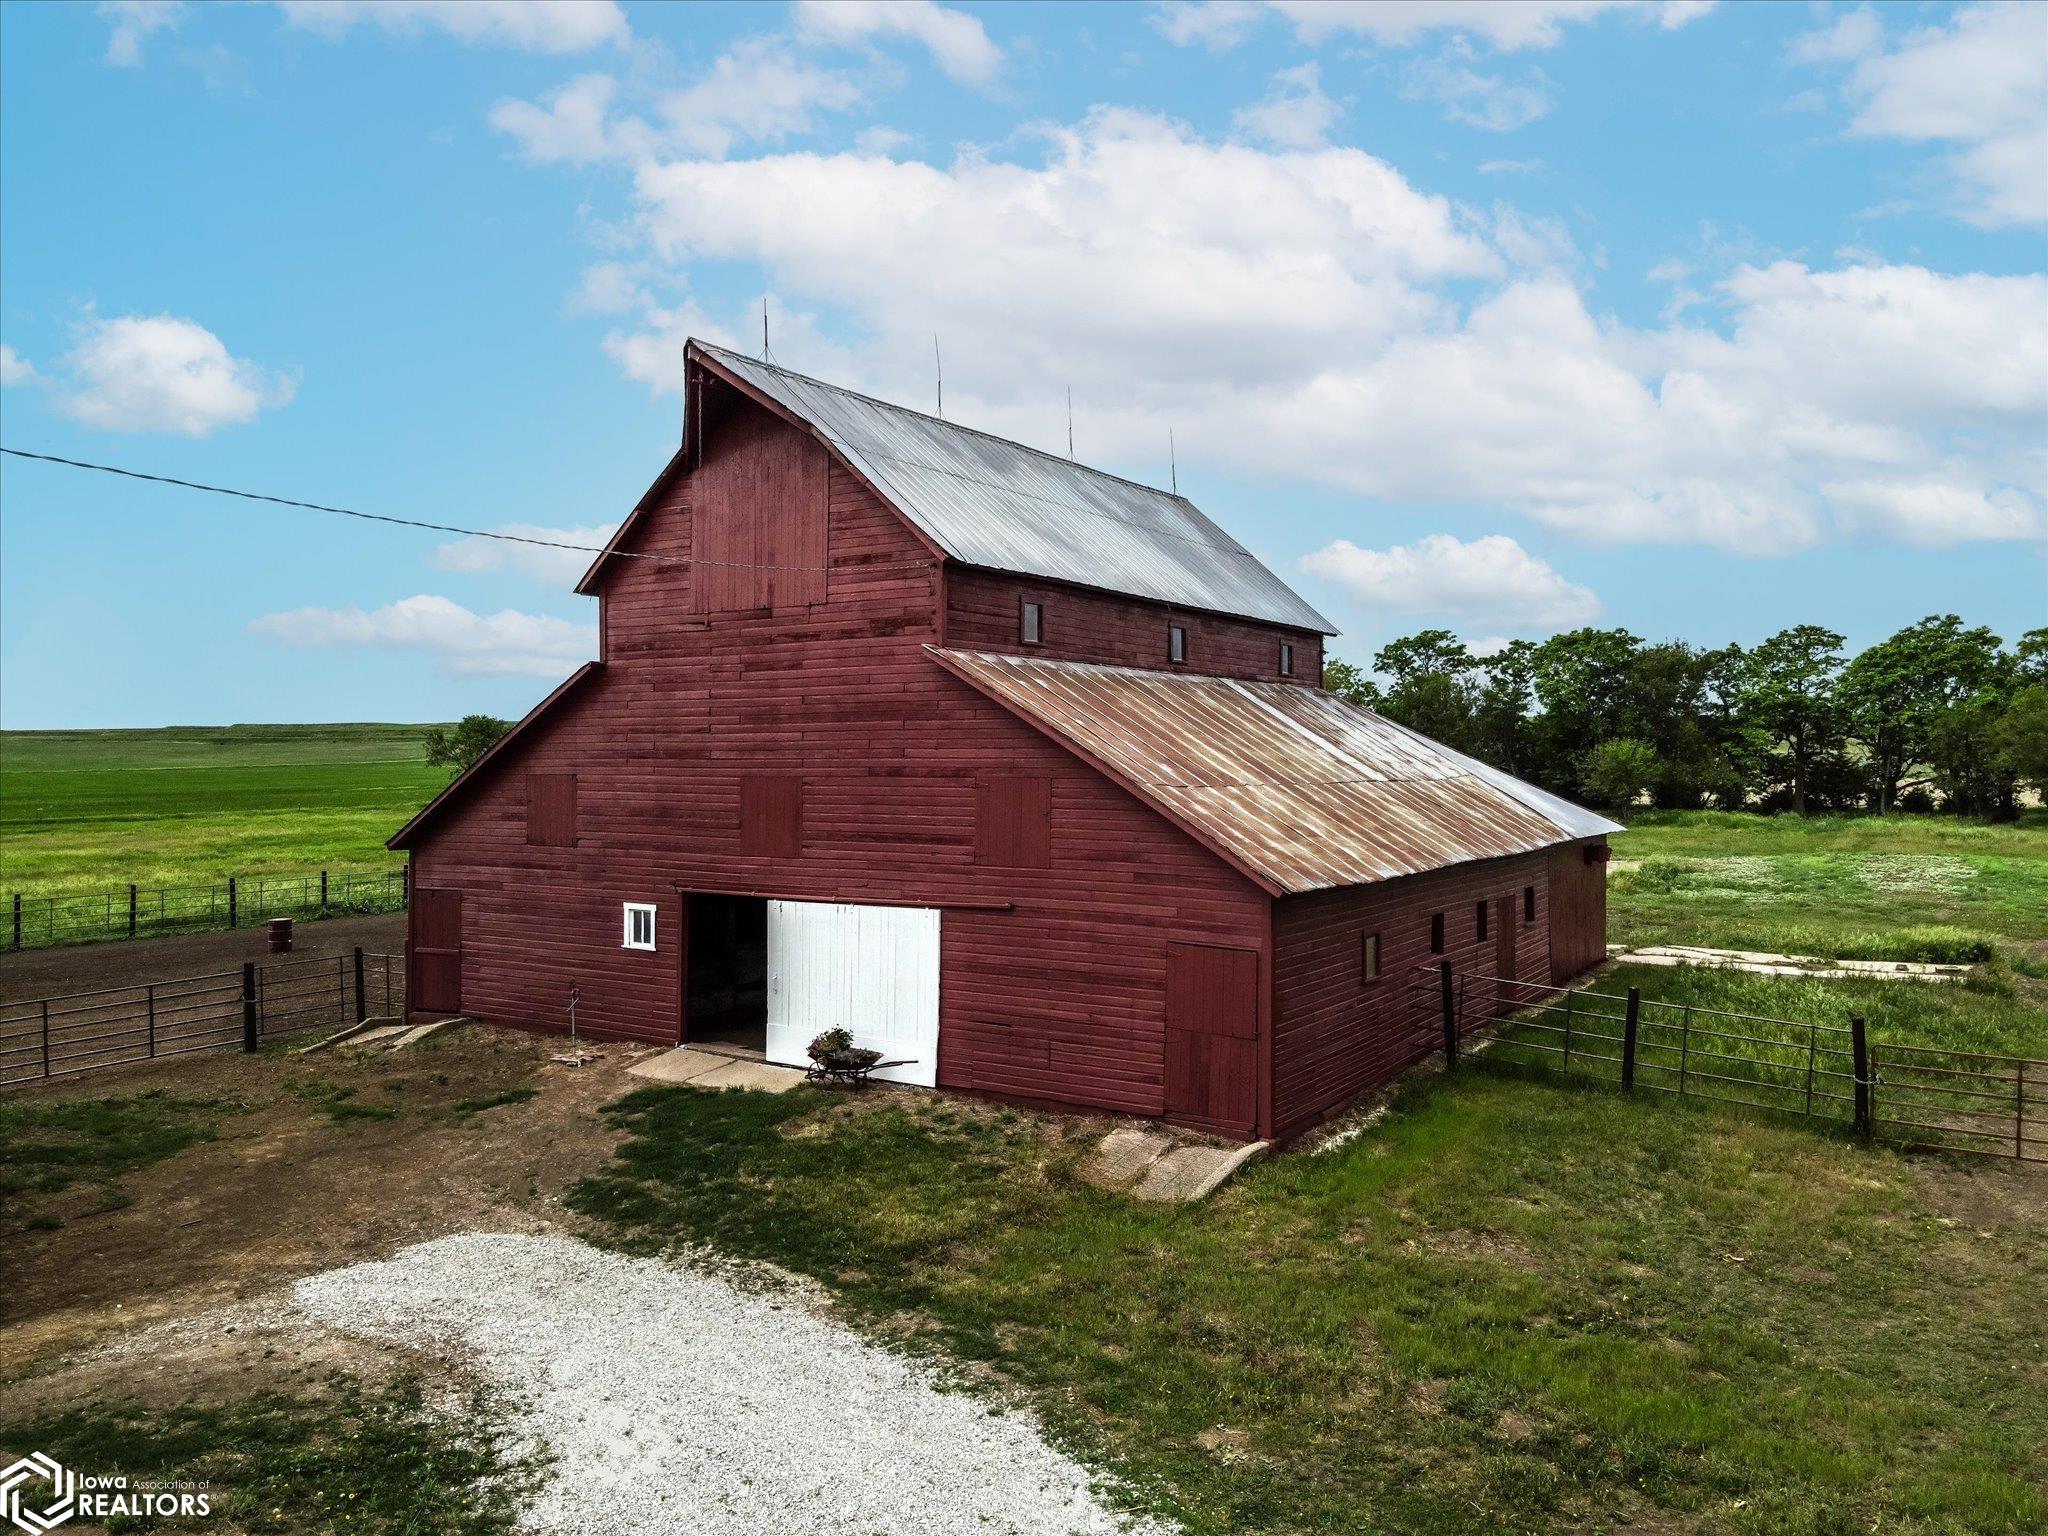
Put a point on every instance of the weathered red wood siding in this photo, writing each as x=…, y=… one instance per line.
x=1060, y=998
x=1335, y=1035
x=984, y=613
x=1578, y=897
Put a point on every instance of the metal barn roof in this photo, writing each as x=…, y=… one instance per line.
x=989, y=502
x=1297, y=787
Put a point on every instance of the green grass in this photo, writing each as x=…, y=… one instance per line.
x=374, y=1461
x=337, y=1101
x=47, y=1146
x=83, y=810
x=1505, y=1308
x=1861, y=887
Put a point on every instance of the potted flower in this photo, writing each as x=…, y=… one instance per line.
x=835, y=1051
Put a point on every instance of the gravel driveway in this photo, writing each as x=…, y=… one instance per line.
x=674, y=1400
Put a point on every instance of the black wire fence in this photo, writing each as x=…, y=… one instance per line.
x=131, y=912
x=1920, y=1096
x=52, y=1037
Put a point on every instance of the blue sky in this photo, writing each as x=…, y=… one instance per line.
x=1702, y=320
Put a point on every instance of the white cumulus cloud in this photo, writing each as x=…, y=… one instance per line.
x=1470, y=96
x=16, y=369
x=1295, y=114
x=133, y=22
x=957, y=42
x=1977, y=83
x=466, y=644
x=1311, y=314
x=559, y=567
x=1501, y=24
x=1490, y=581
x=534, y=26
x=162, y=373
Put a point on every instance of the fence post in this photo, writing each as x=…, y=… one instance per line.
x=1628, y=1040
x=2019, y=1109
x=362, y=1008
x=152, y=1018
x=1684, y=1044
x=17, y=919
x=231, y=901
x=131, y=911
x=1450, y=1006
x=1812, y=1050
x=323, y=890
x=248, y=1003
x=1859, y=1049
x=46, y=1037
x=1569, y=995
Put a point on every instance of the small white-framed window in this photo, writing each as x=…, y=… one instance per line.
x=1176, y=643
x=639, y=925
x=1286, y=659
x=1032, y=626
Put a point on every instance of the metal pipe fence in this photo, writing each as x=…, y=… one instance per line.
x=1920, y=1096
x=133, y=911
x=52, y=1037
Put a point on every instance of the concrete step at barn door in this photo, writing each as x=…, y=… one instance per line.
x=871, y=970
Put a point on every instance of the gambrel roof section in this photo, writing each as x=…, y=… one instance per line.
x=985, y=501
x=1295, y=787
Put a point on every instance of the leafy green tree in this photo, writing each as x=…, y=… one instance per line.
x=1581, y=680
x=1430, y=685
x=461, y=744
x=1501, y=733
x=1618, y=771
x=2020, y=739
x=1350, y=682
x=1789, y=695
x=1895, y=692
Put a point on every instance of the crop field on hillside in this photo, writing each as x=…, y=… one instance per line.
x=81, y=810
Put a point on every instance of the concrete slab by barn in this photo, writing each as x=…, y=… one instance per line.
x=707, y=1069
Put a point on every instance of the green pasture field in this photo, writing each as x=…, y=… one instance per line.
x=191, y=805
x=1892, y=887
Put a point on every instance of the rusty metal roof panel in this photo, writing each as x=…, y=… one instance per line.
x=1295, y=785
x=990, y=502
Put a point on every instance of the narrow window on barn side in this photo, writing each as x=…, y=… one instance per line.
x=1013, y=823
x=551, y=810
x=1436, y=934
x=772, y=815
x=1479, y=919
x=639, y=925
x=1369, y=956
x=1528, y=903
x=1286, y=659
x=1176, y=643
x=1032, y=627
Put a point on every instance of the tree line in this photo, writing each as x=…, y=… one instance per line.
x=1938, y=716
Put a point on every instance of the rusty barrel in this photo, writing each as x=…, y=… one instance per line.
x=280, y=935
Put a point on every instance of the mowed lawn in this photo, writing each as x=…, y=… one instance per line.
x=85, y=810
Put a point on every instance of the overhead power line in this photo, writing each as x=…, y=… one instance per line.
x=413, y=522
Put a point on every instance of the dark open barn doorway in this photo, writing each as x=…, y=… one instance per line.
x=725, y=982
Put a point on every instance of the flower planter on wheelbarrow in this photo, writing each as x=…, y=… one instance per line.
x=851, y=1067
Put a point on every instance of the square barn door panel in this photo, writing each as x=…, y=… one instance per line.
x=1212, y=1028
x=871, y=970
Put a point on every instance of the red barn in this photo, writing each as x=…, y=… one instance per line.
x=1019, y=770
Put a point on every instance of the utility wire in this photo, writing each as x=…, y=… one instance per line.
x=410, y=522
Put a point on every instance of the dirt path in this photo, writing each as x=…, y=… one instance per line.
x=336, y=1158
x=33, y=973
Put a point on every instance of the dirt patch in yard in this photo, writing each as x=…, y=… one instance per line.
x=331, y=1159
x=31, y=973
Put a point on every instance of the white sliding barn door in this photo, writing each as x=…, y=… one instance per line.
x=871, y=970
